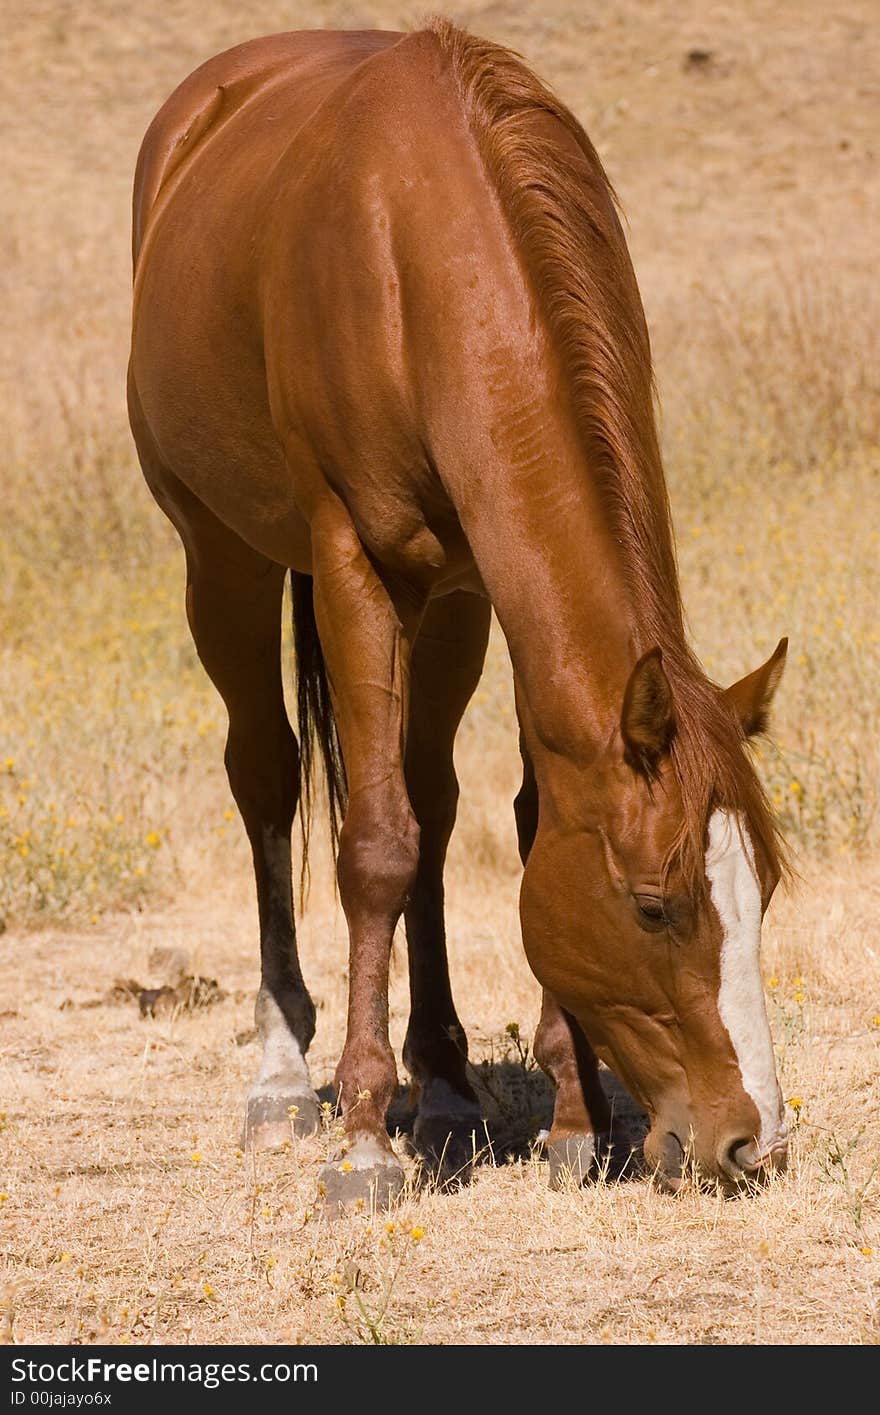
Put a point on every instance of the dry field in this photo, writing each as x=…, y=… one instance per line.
x=127, y=1213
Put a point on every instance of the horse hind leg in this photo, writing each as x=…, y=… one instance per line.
x=233, y=602
x=447, y=661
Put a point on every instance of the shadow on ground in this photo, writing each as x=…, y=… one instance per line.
x=516, y=1100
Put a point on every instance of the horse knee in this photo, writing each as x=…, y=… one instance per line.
x=378, y=860
x=553, y=1046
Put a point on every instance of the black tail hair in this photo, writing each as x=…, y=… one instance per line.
x=316, y=724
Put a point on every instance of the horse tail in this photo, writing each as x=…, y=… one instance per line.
x=316, y=724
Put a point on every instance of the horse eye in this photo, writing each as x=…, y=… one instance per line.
x=651, y=913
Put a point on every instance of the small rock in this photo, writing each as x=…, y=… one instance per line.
x=157, y=1002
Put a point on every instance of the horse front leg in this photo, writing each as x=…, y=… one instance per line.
x=580, y=1111
x=366, y=648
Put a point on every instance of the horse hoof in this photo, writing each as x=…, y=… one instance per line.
x=571, y=1159
x=367, y=1176
x=448, y=1144
x=272, y=1121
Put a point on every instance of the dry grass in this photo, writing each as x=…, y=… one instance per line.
x=131, y=1215
x=114, y=807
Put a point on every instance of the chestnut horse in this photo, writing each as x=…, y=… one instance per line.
x=387, y=337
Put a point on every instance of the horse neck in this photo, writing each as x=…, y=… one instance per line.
x=541, y=535
x=496, y=411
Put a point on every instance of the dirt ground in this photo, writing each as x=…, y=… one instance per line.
x=742, y=141
x=131, y=1214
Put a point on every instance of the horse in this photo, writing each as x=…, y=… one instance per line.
x=387, y=339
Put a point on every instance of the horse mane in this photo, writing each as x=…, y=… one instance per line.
x=563, y=213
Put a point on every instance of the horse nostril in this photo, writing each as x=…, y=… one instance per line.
x=742, y=1157
x=746, y=1161
x=671, y=1155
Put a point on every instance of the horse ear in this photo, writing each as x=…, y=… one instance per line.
x=751, y=696
x=647, y=723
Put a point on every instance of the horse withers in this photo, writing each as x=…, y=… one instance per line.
x=387, y=339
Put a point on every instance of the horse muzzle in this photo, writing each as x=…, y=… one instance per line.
x=736, y=1163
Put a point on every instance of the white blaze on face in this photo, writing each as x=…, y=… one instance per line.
x=736, y=895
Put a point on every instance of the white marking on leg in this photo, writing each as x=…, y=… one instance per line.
x=736, y=895
x=365, y=1152
x=283, y=1070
